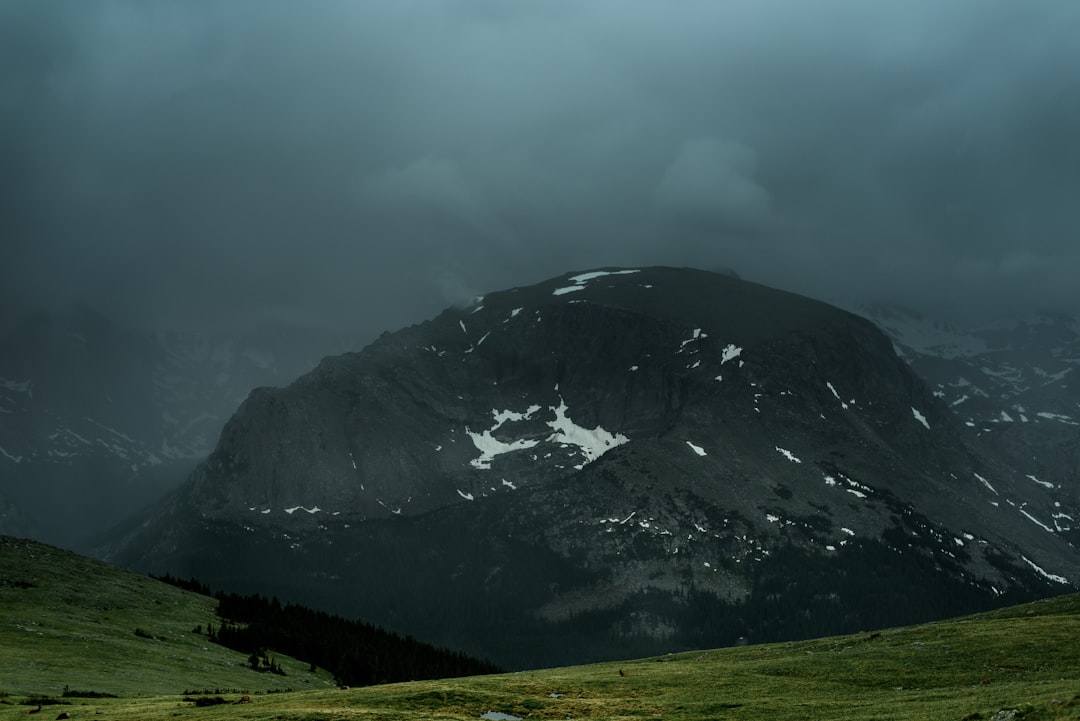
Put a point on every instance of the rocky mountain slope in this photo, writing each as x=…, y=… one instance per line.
x=97, y=420
x=614, y=463
x=1012, y=383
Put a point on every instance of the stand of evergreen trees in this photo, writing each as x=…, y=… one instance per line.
x=356, y=653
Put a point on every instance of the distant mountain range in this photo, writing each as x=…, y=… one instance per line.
x=97, y=420
x=1015, y=384
x=624, y=461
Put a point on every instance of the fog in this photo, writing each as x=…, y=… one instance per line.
x=360, y=165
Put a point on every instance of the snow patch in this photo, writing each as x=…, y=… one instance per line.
x=294, y=509
x=1036, y=521
x=593, y=275
x=1044, y=484
x=919, y=417
x=582, y=278
x=1058, y=417
x=695, y=336
x=787, y=454
x=1044, y=574
x=987, y=484
x=490, y=447
x=696, y=449
x=593, y=442
x=463, y=494
x=833, y=389
x=730, y=352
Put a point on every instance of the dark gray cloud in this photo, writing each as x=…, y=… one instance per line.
x=366, y=163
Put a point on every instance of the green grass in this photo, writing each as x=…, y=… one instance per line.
x=1024, y=658
x=66, y=620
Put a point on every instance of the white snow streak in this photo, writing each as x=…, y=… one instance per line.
x=1044, y=574
x=1036, y=521
x=586, y=277
x=294, y=509
x=582, y=278
x=987, y=484
x=919, y=417
x=1044, y=484
x=833, y=389
x=696, y=449
x=788, y=454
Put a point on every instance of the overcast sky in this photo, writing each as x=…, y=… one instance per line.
x=365, y=163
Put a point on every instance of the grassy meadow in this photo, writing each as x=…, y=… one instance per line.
x=71, y=622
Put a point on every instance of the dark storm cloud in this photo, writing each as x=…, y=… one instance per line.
x=366, y=163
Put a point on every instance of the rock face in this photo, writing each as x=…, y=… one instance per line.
x=609, y=463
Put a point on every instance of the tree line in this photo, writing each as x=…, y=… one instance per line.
x=356, y=653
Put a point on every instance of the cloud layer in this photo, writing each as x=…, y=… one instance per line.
x=363, y=164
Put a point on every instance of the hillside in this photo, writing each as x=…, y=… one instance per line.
x=72, y=624
x=1018, y=663
x=71, y=621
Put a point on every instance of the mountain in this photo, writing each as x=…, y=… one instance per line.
x=98, y=420
x=613, y=463
x=1013, y=383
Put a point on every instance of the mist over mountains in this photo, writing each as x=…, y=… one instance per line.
x=98, y=420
